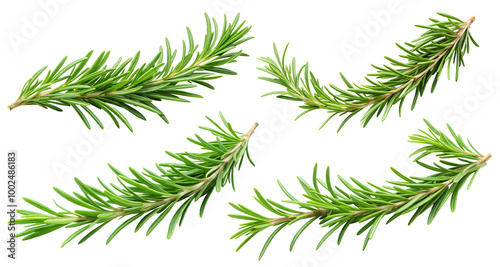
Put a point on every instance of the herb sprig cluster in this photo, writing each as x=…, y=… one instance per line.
x=144, y=195
x=445, y=42
x=125, y=85
x=367, y=204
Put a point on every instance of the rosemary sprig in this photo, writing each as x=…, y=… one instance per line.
x=146, y=194
x=443, y=43
x=367, y=203
x=126, y=85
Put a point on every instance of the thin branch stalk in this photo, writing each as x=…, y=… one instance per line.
x=324, y=212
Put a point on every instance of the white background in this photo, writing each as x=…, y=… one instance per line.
x=319, y=33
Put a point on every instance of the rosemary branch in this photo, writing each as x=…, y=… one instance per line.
x=368, y=204
x=424, y=193
x=126, y=85
x=443, y=43
x=196, y=175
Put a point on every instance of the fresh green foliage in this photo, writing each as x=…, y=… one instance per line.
x=443, y=43
x=127, y=85
x=147, y=194
x=368, y=204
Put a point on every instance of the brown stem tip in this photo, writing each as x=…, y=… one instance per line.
x=14, y=105
x=250, y=132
